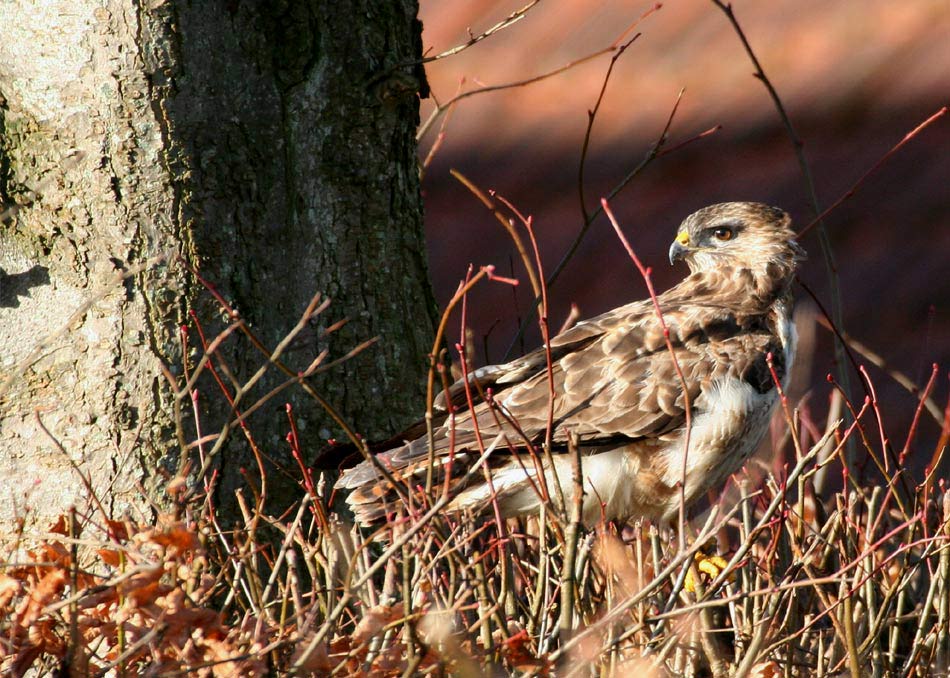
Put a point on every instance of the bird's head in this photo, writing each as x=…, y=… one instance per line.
x=738, y=235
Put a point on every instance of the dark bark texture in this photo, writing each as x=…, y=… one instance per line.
x=270, y=145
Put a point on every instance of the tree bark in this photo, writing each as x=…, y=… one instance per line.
x=270, y=146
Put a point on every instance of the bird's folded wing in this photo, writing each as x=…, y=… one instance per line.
x=614, y=379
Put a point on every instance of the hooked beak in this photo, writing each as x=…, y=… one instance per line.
x=680, y=247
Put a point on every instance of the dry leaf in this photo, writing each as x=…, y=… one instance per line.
x=110, y=557
x=317, y=661
x=177, y=536
x=118, y=529
x=44, y=591
x=9, y=588
x=373, y=622
x=768, y=669
x=519, y=654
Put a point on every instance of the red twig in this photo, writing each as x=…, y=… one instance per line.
x=470, y=400
x=686, y=142
x=433, y=359
x=544, y=326
x=877, y=415
x=546, y=337
x=645, y=273
x=939, y=450
x=851, y=191
x=293, y=439
x=920, y=407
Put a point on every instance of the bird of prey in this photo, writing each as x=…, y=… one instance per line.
x=619, y=392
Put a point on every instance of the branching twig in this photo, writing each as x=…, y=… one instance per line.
x=799, y=148
x=508, y=21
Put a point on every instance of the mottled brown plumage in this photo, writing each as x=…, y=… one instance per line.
x=617, y=389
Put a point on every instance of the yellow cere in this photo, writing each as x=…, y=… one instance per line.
x=682, y=238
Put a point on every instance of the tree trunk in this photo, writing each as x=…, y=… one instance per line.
x=269, y=146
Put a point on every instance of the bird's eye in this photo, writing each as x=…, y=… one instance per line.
x=723, y=233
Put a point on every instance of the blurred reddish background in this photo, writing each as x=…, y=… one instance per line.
x=855, y=77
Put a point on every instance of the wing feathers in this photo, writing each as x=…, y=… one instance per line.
x=614, y=378
x=614, y=375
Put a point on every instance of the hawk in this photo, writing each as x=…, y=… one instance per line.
x=619, y=391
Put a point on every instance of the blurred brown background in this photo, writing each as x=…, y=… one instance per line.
x=855, y=77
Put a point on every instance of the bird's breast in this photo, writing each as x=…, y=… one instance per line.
x=726, y=429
